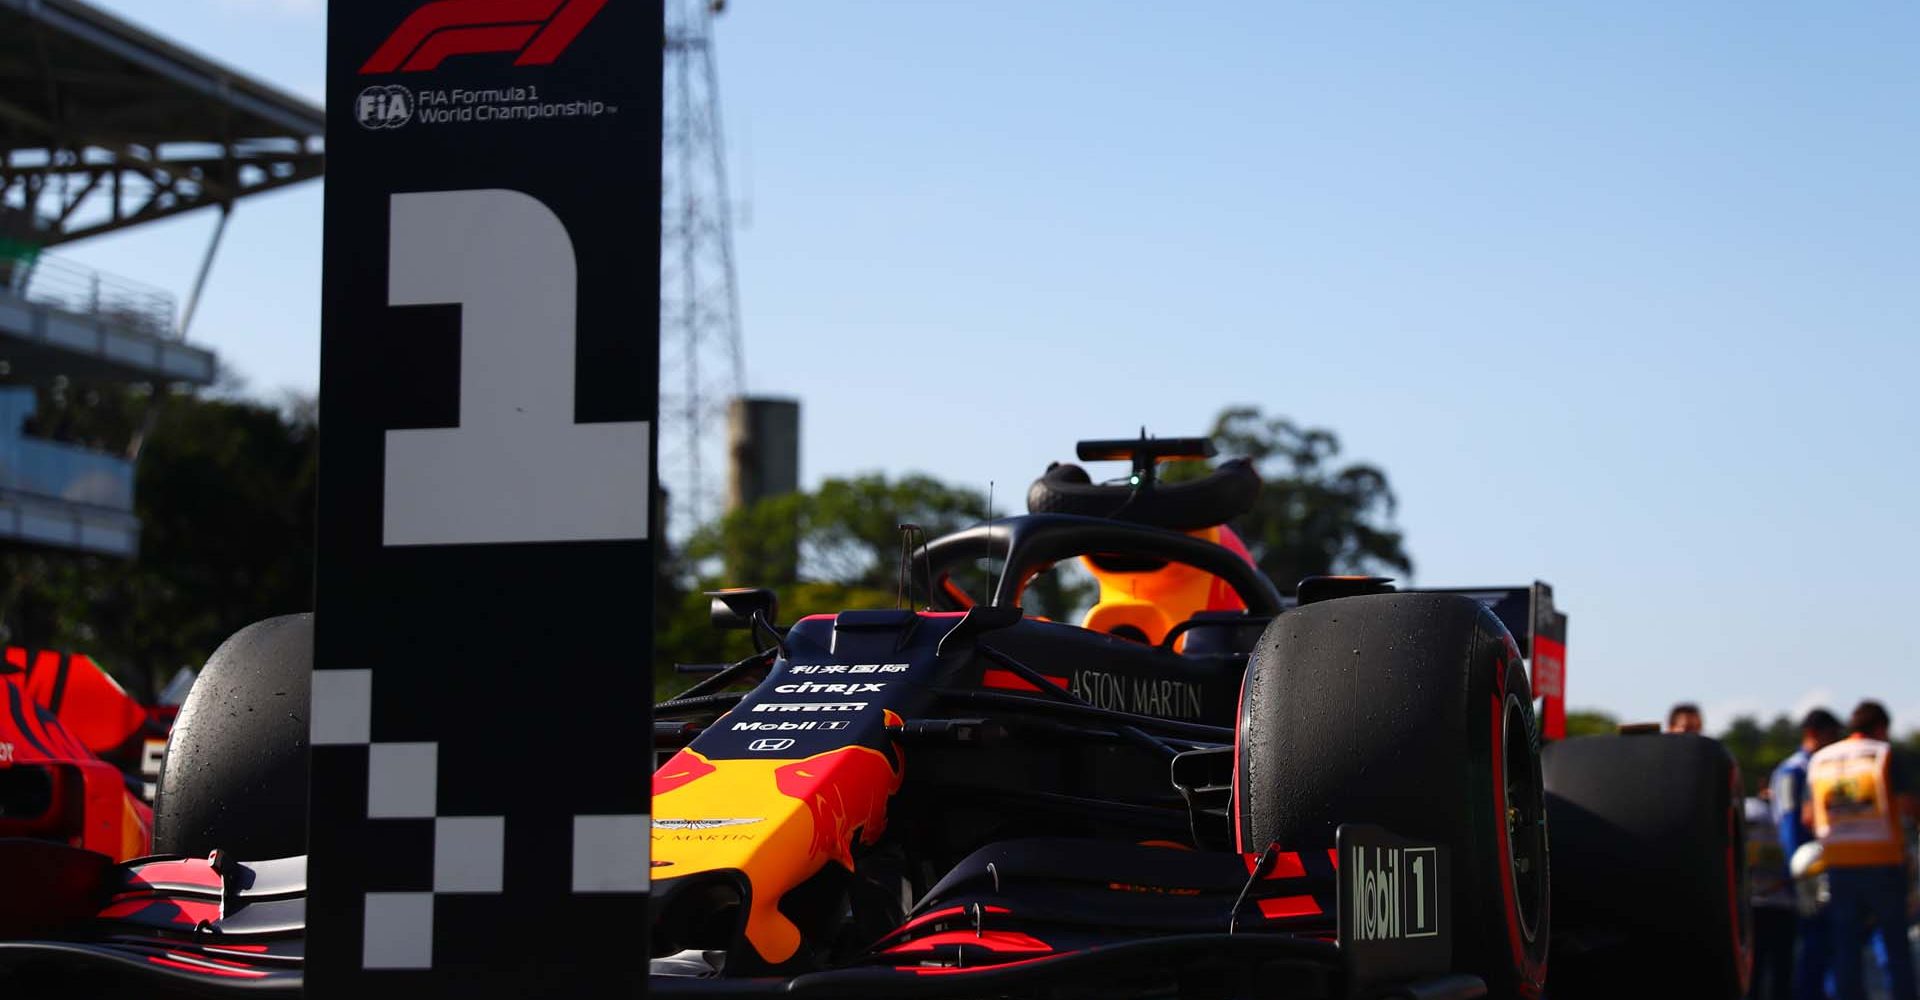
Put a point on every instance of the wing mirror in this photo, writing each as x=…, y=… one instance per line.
x=736, y=607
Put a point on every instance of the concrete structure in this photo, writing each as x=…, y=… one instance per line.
x=763, y=445
x=59, y=319
x=59, y=494
x=104, y=125
x=64, y=324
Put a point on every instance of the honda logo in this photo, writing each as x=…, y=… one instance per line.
x=767, y=746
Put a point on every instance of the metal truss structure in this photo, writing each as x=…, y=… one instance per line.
x=104, y=125
x=702, y=365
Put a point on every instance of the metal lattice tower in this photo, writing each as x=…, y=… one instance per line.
x=701, y=362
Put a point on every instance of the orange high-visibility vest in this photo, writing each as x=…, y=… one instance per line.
x=1853, y=813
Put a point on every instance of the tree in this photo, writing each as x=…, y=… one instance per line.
x=225, y=494
x=224, y=490
x=820, y=552
x=1590, y=722
x=845, y=532
x=1758, y=749
x=1314, y=517
x=832, y=549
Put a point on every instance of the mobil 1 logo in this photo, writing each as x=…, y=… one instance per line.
x=1392, y=903
x=1391, y=892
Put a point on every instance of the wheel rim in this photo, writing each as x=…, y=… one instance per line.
x=1526, y=814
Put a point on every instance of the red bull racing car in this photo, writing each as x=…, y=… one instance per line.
x=1204, y=788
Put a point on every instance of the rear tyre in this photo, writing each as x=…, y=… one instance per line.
x=235, y=775
x=1651, y=882
x=1412, y=712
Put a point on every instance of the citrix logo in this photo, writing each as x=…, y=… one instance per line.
x=815, y=687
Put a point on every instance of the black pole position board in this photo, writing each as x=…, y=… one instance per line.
x=488, y=376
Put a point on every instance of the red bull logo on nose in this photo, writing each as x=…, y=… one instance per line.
x=777, y=822
x=847, y=792
x=684, y=767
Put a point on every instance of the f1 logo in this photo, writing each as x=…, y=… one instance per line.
x=539, y=30
x=768, y=746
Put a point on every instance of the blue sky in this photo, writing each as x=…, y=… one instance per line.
x=1622, y=295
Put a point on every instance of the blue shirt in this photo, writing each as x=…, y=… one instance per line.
x=1789, y=793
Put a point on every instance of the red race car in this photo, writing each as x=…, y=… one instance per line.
x=73, y=746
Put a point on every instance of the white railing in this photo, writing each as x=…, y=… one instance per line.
x=69, y=287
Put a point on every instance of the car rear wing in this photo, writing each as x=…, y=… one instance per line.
x=1541, y=631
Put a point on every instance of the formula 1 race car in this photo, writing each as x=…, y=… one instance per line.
x=1206, y=788
x=75, y=749
x=86, y=908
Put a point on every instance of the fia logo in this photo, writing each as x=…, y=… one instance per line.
x=769, y=746
x=381, y=107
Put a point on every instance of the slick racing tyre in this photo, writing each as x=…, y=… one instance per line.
x=1650, y=888
x=1411, y=712
x=235, y=774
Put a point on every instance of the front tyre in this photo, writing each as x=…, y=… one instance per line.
x=235, y=773
x=1411, y=712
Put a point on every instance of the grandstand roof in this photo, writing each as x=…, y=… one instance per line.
x=105, y=125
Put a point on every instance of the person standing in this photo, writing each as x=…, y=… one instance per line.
x=1771, y=891
x=1685, y=718
x=1819, y=729
x=1859, y=794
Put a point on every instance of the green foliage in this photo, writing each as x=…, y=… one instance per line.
x=1760, y=748
x=1590, y=722
x=845, y=532
x=225, y=494
x=224, y=490
x=834, y=549
x=685, y=635
x=1314, y=517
